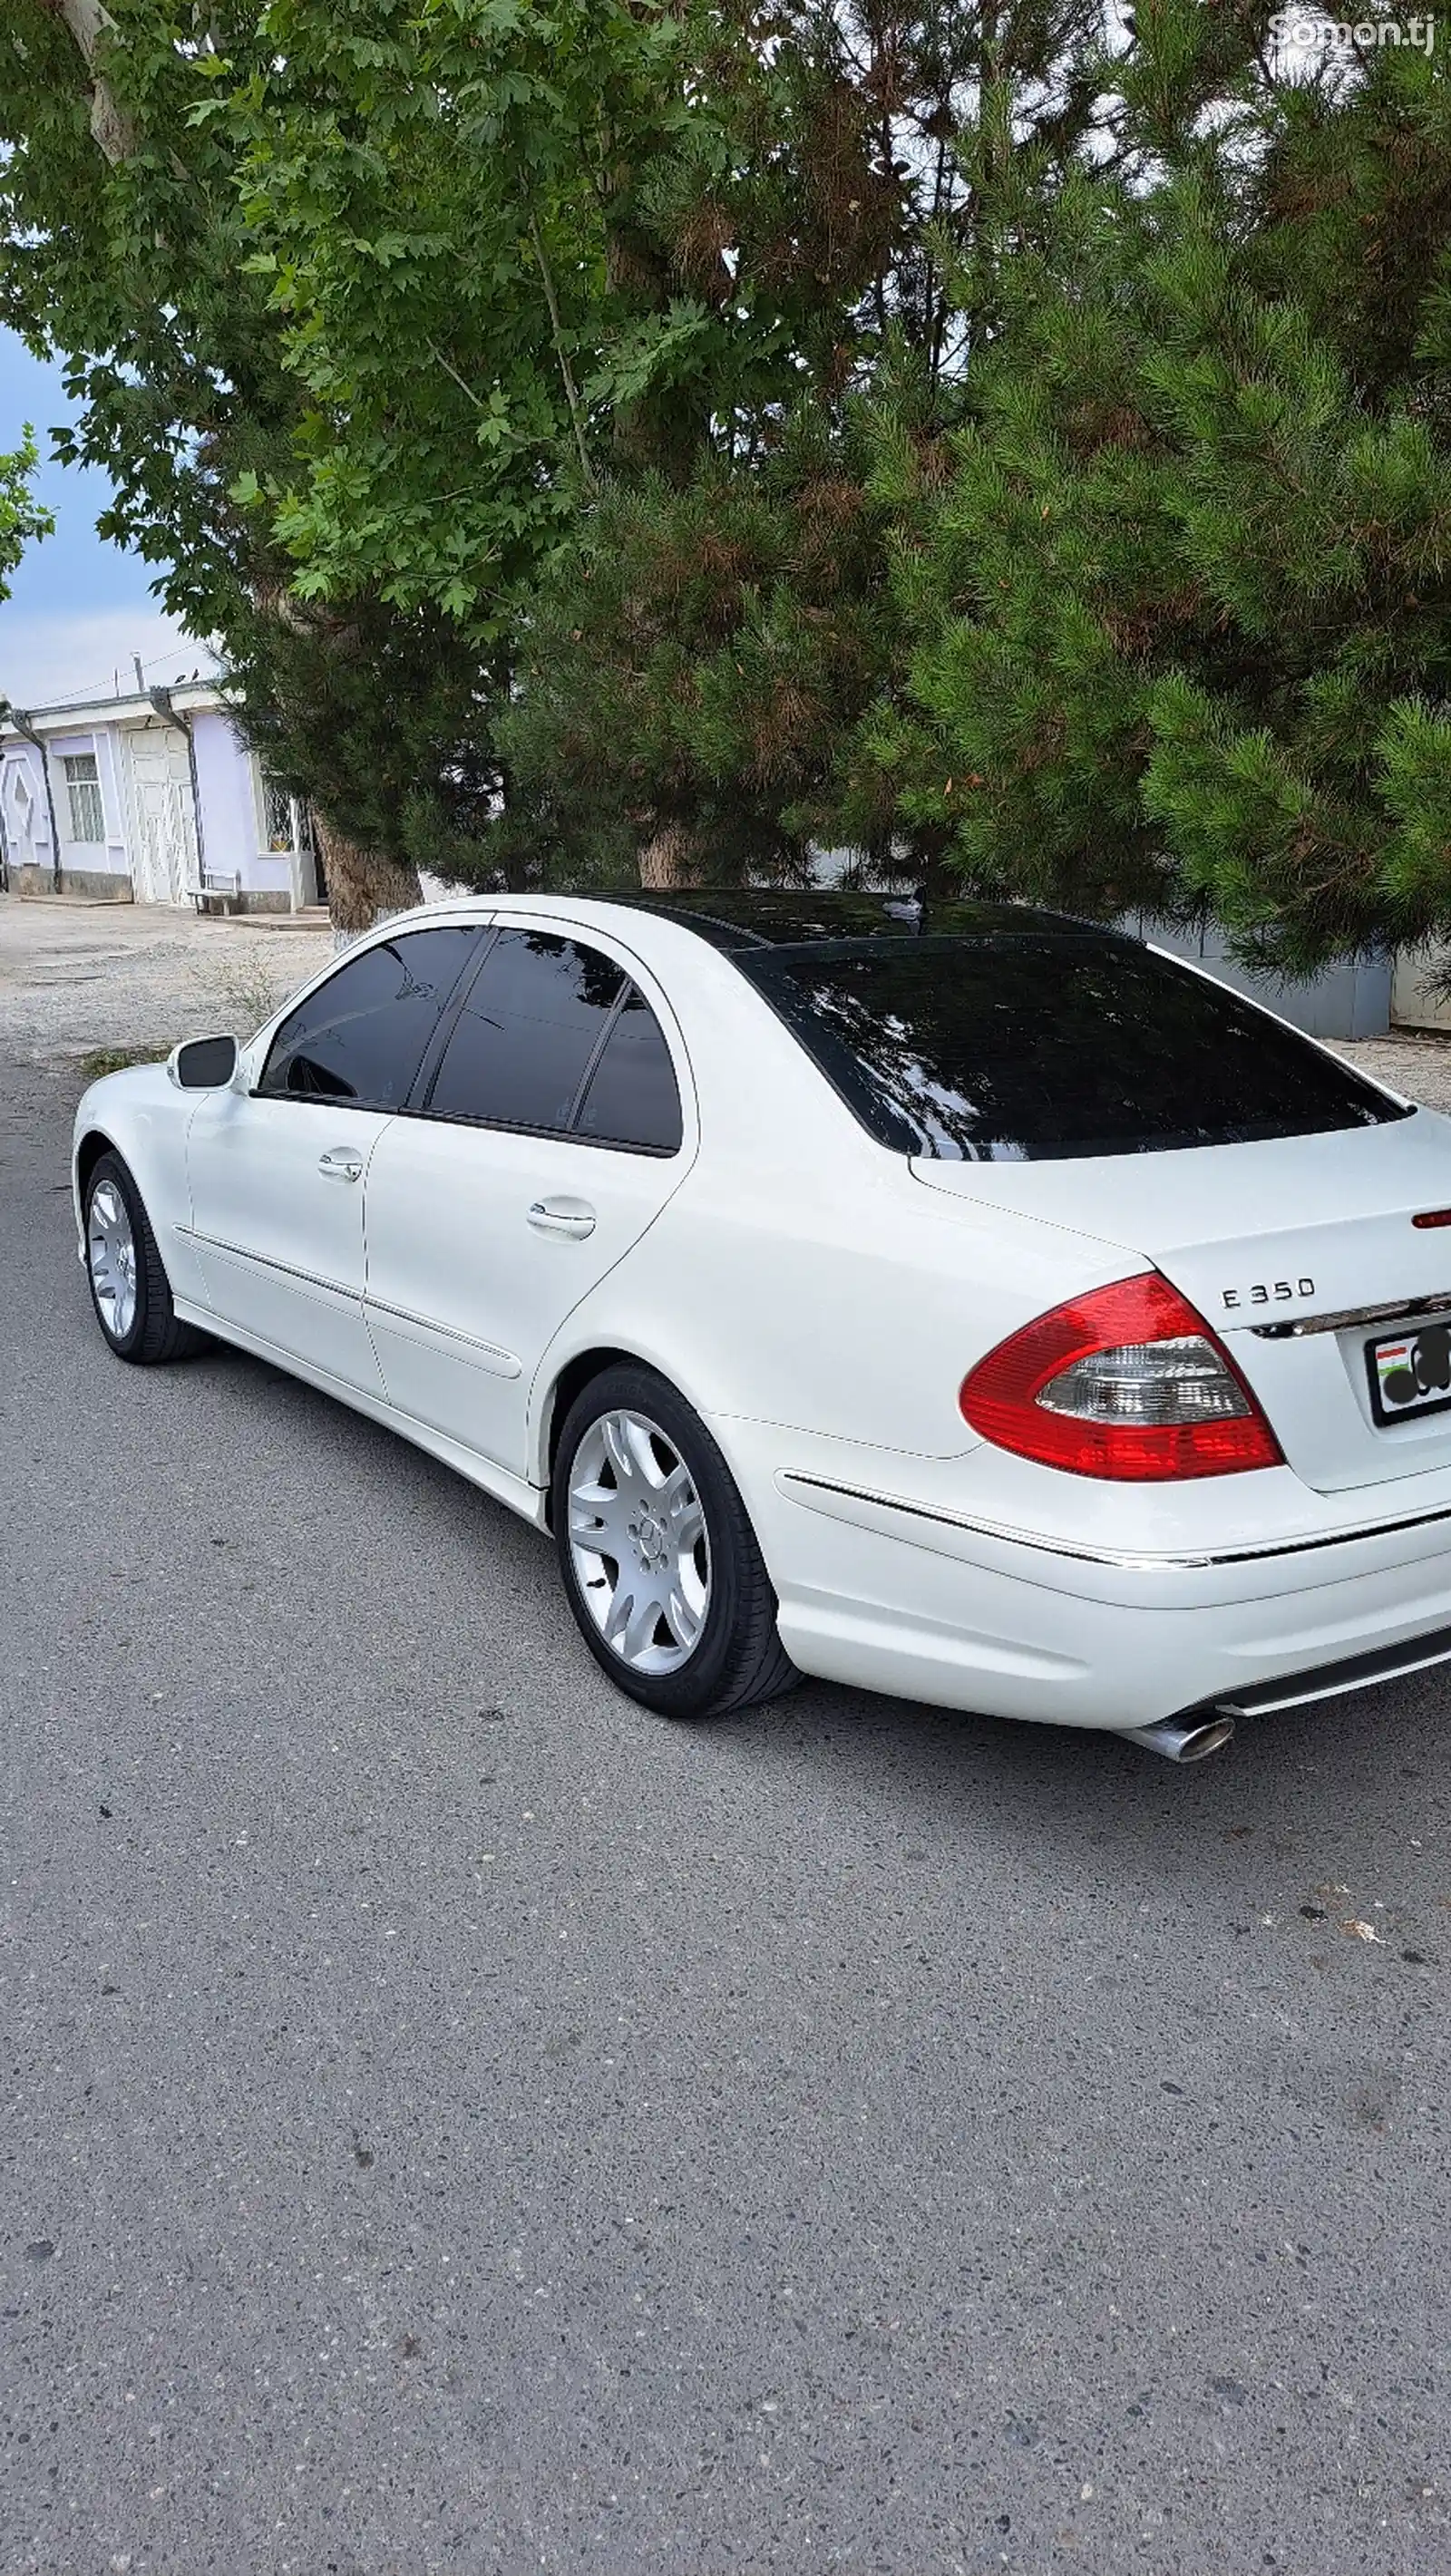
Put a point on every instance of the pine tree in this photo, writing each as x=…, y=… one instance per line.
x=1182, y=607
x=695, y=680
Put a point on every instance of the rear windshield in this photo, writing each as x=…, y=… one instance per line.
x=1036, y=1048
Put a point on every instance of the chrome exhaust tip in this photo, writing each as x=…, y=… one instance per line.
x=1183, y=1739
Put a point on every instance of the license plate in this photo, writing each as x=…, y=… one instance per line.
x=1410, y=1372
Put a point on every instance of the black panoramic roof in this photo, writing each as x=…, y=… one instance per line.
x=737, y=917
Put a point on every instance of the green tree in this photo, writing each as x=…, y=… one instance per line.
x=123, y=247
x=438, y=200
x=1182, y=608
x=701, y=673
x=466, y=221
x=657, y=254
x=354, y=308
x=22, y=517
x=693, y=678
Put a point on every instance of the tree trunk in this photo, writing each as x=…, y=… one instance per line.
x=92, y=26
x=938, y=881
x=362, y=885
x=668, y=857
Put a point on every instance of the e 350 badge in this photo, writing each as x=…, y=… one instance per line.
x=1269, y=1292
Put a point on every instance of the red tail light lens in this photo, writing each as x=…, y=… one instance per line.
x=1127, y=1382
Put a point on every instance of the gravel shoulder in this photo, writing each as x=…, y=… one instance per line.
x=76, y=977
x=1413, y=1062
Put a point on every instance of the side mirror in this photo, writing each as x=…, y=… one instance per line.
x=203, y=1064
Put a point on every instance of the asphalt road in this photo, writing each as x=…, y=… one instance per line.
x=451, y=2120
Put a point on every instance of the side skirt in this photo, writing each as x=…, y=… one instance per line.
x=529, y=1501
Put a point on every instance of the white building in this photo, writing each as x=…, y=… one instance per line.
x=153, y=798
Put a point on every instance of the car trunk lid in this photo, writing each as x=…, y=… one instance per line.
x=1300, y=1251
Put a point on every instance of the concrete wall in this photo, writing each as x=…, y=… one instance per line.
x=1350, y=1001
x=107, y=858
x=97, y=885
x=1415, y=1002
x=100, y=868
x=232, y=818
x=28, y=861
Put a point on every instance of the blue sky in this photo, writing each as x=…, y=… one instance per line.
x=78, y=608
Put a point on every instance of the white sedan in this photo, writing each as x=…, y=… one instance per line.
x=976, y=1306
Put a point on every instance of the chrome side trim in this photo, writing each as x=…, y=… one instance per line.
x=503, y=1363
x=491, y=1355
x=265, y=1261
x=1085, y=1553
x=1393, y=1313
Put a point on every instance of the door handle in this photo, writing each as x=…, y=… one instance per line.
x=571, y=1219
x=344, y=1163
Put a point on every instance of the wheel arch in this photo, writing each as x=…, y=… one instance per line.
x=559, y=1383
x=141, y=1118
x=134, y=1114
x=89, y=1150
x=569, y=1380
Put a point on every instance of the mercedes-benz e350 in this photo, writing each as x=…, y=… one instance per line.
x=966, y=1303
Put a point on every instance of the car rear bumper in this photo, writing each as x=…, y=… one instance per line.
x=896, y=1596
x=1352, y=1673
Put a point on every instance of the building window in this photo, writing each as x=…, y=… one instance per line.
x=83, y=787
x=286, y=819
x=277, y=824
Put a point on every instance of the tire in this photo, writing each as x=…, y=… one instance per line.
x=713, y=1646
x=121, y=1251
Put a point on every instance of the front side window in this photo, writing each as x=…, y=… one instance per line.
x=528, y=1032
x=83, y=792
x=360, y=1038
x=1042, y=1046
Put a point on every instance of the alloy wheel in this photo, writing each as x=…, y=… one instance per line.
x=639, y=1542
x=111, y=1253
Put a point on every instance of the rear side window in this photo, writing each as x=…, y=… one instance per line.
x=633, y=1097
x=360, y=1038
x=1040, y=1047
x=527, y=1034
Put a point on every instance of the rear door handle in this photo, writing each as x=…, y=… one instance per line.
x=573, y=1219
x=344, y=1163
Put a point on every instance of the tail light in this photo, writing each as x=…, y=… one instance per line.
x=1127, y=1382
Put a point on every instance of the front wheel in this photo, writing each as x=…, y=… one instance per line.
x=129, y=1287
x=659, y=1559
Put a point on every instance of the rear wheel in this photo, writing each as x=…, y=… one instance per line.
x=659, y=1558
x=129, y=1287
